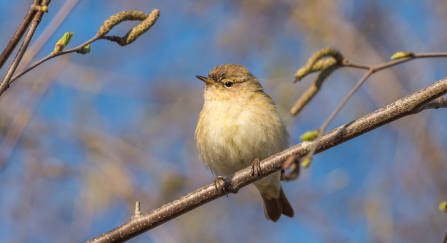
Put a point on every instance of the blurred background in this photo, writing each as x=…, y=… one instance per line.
x=82, y=137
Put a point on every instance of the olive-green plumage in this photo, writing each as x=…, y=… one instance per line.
x=238, y=124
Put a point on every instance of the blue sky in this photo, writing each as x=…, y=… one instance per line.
x=114, y=124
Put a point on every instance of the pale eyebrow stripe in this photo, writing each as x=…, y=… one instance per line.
x=234, y=80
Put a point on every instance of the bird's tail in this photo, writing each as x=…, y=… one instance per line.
x=274, y=207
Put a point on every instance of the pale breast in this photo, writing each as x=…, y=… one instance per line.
x=230, y=136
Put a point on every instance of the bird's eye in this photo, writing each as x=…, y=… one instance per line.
x=228, y=84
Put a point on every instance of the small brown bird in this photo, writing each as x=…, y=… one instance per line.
x=238, y=124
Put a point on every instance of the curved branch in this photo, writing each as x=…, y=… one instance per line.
x=409, y=105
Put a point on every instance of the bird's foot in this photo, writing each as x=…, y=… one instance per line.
x=220, y=184
x=256, y=168
x=290, y=169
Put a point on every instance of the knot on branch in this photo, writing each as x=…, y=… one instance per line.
x=147, y=21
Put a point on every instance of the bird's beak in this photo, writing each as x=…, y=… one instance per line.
x=206, y=80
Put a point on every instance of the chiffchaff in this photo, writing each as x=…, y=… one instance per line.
x=238, y=124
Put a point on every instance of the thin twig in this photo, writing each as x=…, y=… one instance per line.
x=371, y=69
x=403, y=107
x=53, y=55
x=440, y=102
x=23, y=116
x=19, y=33
x=43, y=38
x=444, y=238
x=335, y=112
x=4, y=85
x=381, y=66
x=148, y=20
x=346, y=63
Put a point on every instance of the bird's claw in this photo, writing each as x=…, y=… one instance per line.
x=290, y=169
x=220, y=184
x=256, y=168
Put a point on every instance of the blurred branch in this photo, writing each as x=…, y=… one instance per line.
x=443, y=207
x=408, y=105
x=40, y=86
x=23, y=116
x=334, y=59
x=444, y=238
x=148, y=20
x=19, y=33
x=4, y=85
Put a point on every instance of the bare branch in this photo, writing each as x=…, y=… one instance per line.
x=24, y=115
x=147, y=21
x=49, y=30
x=4, y=85
x=315, y=63
x=53, y=55
x=332, y=116
x=403, y=107
x=19, y=33
x=444, y=238
x=440, y=102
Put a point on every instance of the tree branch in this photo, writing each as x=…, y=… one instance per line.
x=4, y=85
x=148, y=20
x=444, y=237
x=426, y=98
x=19, y=33
x=440, y=102
x=326, y=66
